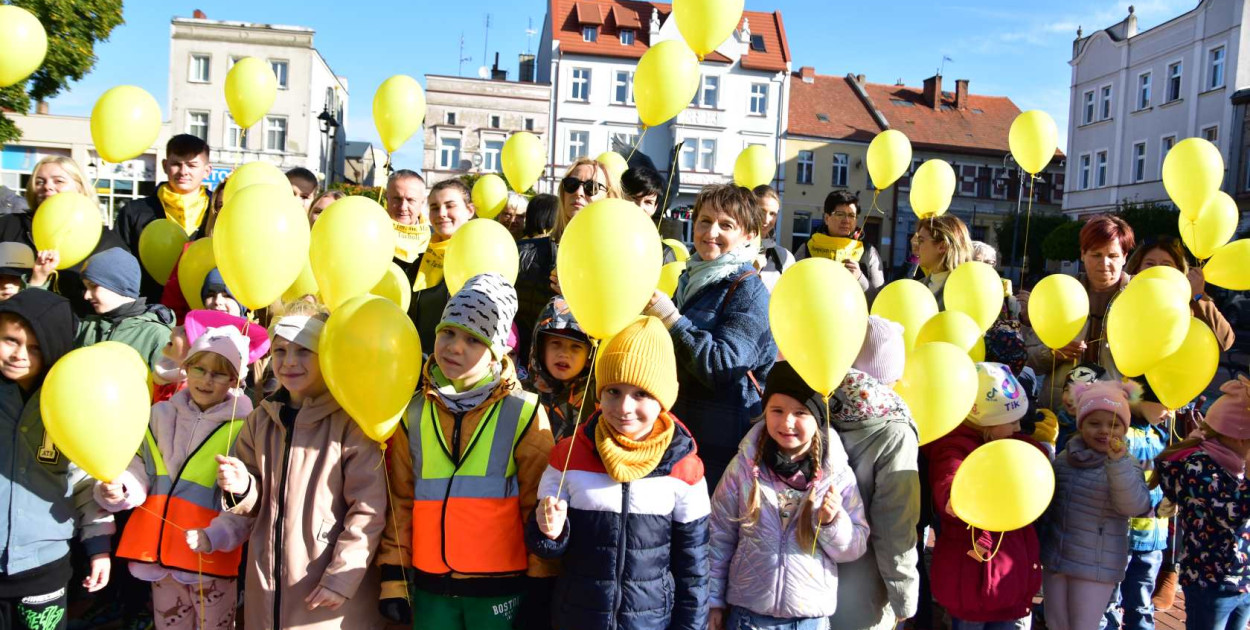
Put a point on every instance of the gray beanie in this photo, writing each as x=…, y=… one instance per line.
x=485, y=308
x=116, y=270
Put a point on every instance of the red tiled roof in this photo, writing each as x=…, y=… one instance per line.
x=846, y=116
x=981, y=127
x=568, y=16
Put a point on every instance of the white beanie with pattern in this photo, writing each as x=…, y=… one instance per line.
x=484, y=307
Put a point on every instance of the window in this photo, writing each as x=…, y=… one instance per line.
x=590, y=33
x=707, y=154
x=904, y=182
x=985, y=178
x=1085, y=172
x=275, y=133
x=495, y=121
x=706, y=96
x=759, y=99
x=1143, y=90
x=1059, y=180
x=450, y=117
x=448, y=153
x=1106, y=103
x=1089, y=108
x=627, y=37
x=1215, y=68
x=1139, y=162
x=622, y=139
x=757, y=43
x=529, y=124
x=806, y=162
x=199, y=68
x=698, y=154
x=841, y=169
x=493, y=149
x=623, y=88
x=279, y=72
x=1174, y=82
x=968, y=180
x=1211, y=134
x=581, y=84
x=1100, y=170
x=197, y=125
x=1165, y=145
x=579, y=145
x=234, y=134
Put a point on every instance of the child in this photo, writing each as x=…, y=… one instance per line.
x=310, y=477
x=988, y=579
x=559, y=366
x=217, y=296
x=17, y=260
x=876, y=428
x=1097, y=490
x=178, y=538
x=789, y=491
x=111, y=278
x=1205, y=476
x=480, y=443
x=304, y=185
x=43, y=496
x=631, y=518
x=1066, y=414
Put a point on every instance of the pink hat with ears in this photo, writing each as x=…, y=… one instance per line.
x=1113, y=396
x=1230, y=415
x=199, y=321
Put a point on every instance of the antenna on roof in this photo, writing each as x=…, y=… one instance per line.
x=486, y=40
x=463, y=58
x=529, y=36
x=943, y=66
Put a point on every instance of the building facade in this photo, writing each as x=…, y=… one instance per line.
x=1134, y=95
x=467, y=122
x=305, y=126
x=365, y=164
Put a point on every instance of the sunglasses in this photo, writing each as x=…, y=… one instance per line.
x=589, y=187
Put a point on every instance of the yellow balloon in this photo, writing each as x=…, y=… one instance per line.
x=1002, y=486
x=957, y=329
x=370, y=357
x=609, y=265
x=251, y=88
x=479, y=246
x=909, y=303
x=975, y=289
x=889, y=156
x=124, y=123
x=755, y=166
x=1216, y=225
x=614, y=164
x=305, y=284
x=160, y=245
x=679, y=249
x=665, y=82
x=939, y=385
x=669, y=275
x=490, y=196
x=23, y=44
x=1146, y=325
x=1192, y=172
x=70, y=223
x=1229, y=266
x=1185, y=374
x=395, y=287
x=193, y=267
x=1033, y=138
x=524, y=158
x=95, y=407
x=260, y=242
x=251, y=174
x=352, y=247
x=1180, y=288
x=1058, y=309
x=807, y=297
x=706, y=24
x=398, y=109
x=932, y=187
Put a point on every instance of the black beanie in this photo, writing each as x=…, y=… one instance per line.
x=782, y=379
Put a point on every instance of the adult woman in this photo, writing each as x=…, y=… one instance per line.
x=1169, y=252
x=513, y=215
x=322, y=202
x=941, y=244
x=540, y=217
x=718, y=319
x=585, y=182
x=52, y=175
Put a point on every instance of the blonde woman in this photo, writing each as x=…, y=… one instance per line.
x=52, y=175
x=942, y=244
x=322, y=202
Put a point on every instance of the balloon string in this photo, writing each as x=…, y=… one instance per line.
x=395, y=526
x=594, y=359
x=637, y=144
x=199, y=559
x=1028, y=220
x=235, y=404
x=664, y=206
x=820, y=464
x=387, y=168
x=1054, y=364
x=977, y=553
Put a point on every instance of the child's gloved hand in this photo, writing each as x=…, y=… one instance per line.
x=113, y=492
x=197, y=540
x=101, y=567
x=396, y=609
x=830, y=508
x=551, y=514
x=232, y=476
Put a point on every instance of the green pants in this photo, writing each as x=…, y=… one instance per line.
x=442, y=612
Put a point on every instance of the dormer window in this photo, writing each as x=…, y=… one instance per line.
x=757, y=43
x=627, y=37
x=590, y=33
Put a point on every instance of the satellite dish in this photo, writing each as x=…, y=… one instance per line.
x=483, y=72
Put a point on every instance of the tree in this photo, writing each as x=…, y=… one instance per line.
x=1150, y=219
x=73, y=27
x=1037, y=227
x=352, y=190
x=1064, y=242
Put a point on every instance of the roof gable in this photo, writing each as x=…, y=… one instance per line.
x=828, y=107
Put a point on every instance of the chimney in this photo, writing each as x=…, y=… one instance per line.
x=1130, y=23
x=41, y=108
x=808, y=74
x=525, y=71
x=495, y=73
x=933, y=91
x=961, y=94
x=859, y=78
x=199, y=15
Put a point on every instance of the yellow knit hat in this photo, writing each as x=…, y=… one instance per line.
x=641, y=355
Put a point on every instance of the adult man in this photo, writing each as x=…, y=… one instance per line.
x=450, y=207
x=841, y=222
x=182, y=199
x=405, y=202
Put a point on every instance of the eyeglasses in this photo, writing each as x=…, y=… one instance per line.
x=589, y=187
x=199, y=373
x=838, y=214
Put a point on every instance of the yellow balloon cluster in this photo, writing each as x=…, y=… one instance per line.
x=395, y=287
x=479, y=246
x=909, y=303
x=939, y=385
x=889, y=156
x=70, y=223
x=706, y=24
x=524, y=158
x=124, y=123
x=398, y=110
x=1002, y=486
x=975, y=289
x=352, y=246
x=1147, y=323
x=251, y=89
x=23, y=44
x=809, y=296
x=252, y=174
x=1058, y=309
x=260, y=243
x=193, y=267
x=1033, y=138
x=957, y=329
x=160, y=245
x=305, y=284
x=1229, y=266
x=1185, y=374
x=1192, y=172
x=932, y=187
x=755, y=166
x=490, y=195
x=665, y=82
x=1214, y=227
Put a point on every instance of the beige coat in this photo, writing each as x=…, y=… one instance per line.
x=331, y=496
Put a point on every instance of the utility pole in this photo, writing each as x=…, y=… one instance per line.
x=486, y=41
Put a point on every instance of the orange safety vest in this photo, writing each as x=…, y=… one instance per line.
x=466, y=515
x=190, y=500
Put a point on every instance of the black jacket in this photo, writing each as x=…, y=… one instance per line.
x=426, y=308
x=131, y=219
x=68, y=283
x=533, y=286
x=51, y=319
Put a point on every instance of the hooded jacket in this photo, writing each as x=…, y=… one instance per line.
x=66, y=282
x=880, y=440
x=561, y=399
x=762, y=567
x=144, y=327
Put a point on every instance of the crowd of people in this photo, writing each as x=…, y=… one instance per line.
x=679, y=475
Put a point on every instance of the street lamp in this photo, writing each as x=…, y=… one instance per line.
x=329, y=127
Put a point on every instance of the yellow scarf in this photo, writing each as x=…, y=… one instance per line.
x=410, y=240
x=835, y=248
x=626, y=459
x=430, y=273
x=185, y=210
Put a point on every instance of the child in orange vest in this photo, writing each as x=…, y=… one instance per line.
x=177, y=537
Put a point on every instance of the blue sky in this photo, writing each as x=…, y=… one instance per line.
x=1014, y=49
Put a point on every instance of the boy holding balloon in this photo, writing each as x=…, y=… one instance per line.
x=112, y=281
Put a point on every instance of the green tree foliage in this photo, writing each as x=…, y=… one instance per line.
x=352, y=190
x=73, y=27
x=1150, y=220
x=1038, y=228
x=1064, y=242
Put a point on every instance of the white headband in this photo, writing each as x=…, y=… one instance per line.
x=301, y=330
